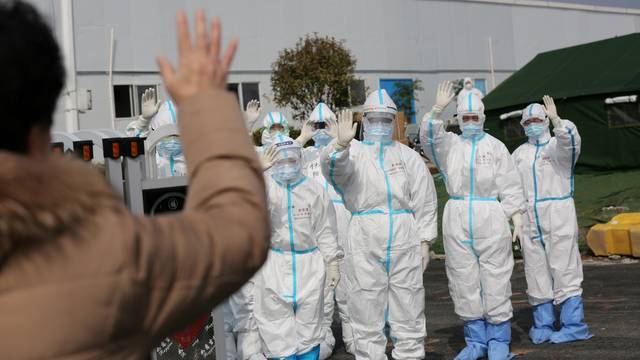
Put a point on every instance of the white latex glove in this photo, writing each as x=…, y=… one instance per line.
x=252, y=114
x=552, y=111
x=444, y=96
x=333, y=274
x=268, y=157
x=345, y=130
x=150, y=105
x=306, y=133
x=517, y=227
x=426, y=256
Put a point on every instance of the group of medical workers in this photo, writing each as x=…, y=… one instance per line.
x=353, y=222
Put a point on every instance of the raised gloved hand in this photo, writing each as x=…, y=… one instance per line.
x=268, y=157
x=517, y=227
x=426, y=255
x=333, y=274
x=552, y=111
x=252, y=114
x=306, y=133
x=345, y=130
x=150, y=105
x=444, y=96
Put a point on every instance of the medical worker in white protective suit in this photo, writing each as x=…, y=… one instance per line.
x=390, y=193
x=485, y=191
x=467, y=87
x=275, y=125
x=290, y=286
x=169, y=157
x=317, y=128
x=550, y=246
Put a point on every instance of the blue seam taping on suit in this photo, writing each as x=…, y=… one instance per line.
x=292, y=246
x=332, y=167
x=172, y=110
x=433, y=150
x=535, y=195
x=573, y=157
x=475, y=198
x=271, y=120
x=380, y=98
x=382, y=212
x=320, y=111
x=172, y=165
x=471, y=190
x=469, y=101
x=298, y=252
x=390, y=210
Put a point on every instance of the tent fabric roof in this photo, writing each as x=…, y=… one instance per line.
x=600, y=67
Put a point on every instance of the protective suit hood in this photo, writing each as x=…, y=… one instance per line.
x=379, y=101
x=471, y=104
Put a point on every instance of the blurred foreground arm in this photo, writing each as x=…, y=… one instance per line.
x=192, y=261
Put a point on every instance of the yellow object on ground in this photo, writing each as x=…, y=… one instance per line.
x=620, y=236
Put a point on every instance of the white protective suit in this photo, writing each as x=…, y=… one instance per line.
x=485, y=191
x=242, y=340
x=168, y=166
x=268, y=136
x=290, y=286
x=392, y=199
x=467, y=88
x=550, y=247
x=311, y=168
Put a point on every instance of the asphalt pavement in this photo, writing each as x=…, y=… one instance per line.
x=612, y=311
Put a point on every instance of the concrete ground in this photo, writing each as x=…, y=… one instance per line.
x=612, y=311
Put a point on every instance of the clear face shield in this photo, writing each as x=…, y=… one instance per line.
x=169, y=147
x=378, y=126
x=287, y=166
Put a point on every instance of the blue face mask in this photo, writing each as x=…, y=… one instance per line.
x=534, y=131
x=379, y=132
x=287, y=172
x=472, y=130
x=321, y=138
x=169, y=147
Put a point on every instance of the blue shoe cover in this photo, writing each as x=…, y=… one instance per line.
x=499, y=338
x=572, y=326
x=475, y=335
x=543, y=320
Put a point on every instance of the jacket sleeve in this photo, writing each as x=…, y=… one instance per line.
x=325, y=228
x=185, y=264
x=508, y=181
x=337, y=167
x=436, y=141
x=424, y=201
x=568, y=144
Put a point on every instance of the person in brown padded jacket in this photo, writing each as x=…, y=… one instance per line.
x=80, y=276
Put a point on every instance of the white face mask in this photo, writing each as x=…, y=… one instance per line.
x=287, y=171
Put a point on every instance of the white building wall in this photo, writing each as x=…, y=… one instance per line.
x=418, y=39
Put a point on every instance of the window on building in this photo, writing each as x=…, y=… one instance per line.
x=245, y=92
x=480, y=84
x=623, y=114
x=250, y=91
x=123, y=101
x=357, y=92
x=512, y=129
x=128, y=99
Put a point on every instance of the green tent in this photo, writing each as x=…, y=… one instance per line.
x=580, y=78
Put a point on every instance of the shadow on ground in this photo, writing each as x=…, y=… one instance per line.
x=612, y=309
